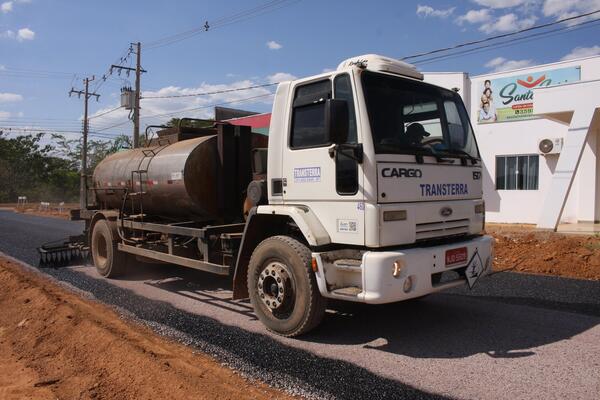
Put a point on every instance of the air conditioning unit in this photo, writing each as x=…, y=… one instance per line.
x=550, y=146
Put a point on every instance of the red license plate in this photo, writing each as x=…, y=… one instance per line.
x=456, y=256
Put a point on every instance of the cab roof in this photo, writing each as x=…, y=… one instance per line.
x=374, y=62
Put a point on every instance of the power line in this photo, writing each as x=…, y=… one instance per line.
x=10, y=129
x=123, y=58
x=456, y=46
x=248, y=11
x=210, y=93
x=511, y=42
x=29, y=76
x=36, y=125
x=38, y=130
x=104, y=113
x=257, y=14
x=219, y=22
x=208, y=106
x=187, y=110
x=14, y=72
x=46, y=121
x=36, y=71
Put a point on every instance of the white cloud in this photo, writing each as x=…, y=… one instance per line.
x=500, y=64
x=507, y=23
x=10, y=97
x=503, y=3
x=21, y=35
x=25, y=34
x=6, y=7
x=428, y=11
x=561, y=9
x=4, y=115
x=7, y=34
x=327, y=70
x=280, y=77
x=475, y=16
x=273, y=45
x=579, y=52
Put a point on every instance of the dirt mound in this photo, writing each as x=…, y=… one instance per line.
x=521, y=248
x=54, y=344
x=54, y=211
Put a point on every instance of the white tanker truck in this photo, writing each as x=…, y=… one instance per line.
x=368, y=190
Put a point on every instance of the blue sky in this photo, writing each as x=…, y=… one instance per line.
x=69, y=40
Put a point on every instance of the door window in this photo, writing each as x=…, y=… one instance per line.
x=308, y=115
x=346, y=167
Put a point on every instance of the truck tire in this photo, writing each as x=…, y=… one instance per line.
x=108, y=260
x=283, y=288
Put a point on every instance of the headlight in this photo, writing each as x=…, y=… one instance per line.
x=399, y=215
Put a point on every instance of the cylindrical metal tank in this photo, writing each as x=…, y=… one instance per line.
x=180, y=182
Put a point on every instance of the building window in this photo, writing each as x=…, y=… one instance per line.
x=517, y=172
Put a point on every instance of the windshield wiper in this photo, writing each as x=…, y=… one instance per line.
x=463, y=153
x=428, y=151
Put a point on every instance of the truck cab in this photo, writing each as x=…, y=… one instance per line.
x=381, y=174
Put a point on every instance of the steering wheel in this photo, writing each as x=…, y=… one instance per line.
x=432, y=141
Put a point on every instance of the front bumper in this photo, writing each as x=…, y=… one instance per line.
x=377, y=283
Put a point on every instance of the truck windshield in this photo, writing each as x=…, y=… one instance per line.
x=412, y=117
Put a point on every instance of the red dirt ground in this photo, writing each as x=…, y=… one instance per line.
x=521, y=248
x=56, y=345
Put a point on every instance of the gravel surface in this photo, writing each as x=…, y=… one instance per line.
x=256, y=356
x=513, y=336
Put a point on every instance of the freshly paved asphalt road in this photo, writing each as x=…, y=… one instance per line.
x=514, y=336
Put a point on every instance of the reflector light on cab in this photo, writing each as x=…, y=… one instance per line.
x=399, y=215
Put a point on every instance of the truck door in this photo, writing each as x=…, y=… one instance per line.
x=316, y=175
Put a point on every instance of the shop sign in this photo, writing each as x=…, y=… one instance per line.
x=512, y=98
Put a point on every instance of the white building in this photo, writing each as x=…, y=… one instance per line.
x=555, y=101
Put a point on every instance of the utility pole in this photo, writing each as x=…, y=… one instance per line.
x=138, y=74
x=84, y=150
x=136, y=110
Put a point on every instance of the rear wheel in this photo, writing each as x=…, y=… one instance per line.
x=283, y=288
x=108, y=260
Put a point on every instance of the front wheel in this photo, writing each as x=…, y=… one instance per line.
x=283, y=288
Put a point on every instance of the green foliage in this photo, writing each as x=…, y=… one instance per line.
x=48, y=172
x=193, y=123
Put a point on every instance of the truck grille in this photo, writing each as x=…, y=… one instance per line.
x=431, y=230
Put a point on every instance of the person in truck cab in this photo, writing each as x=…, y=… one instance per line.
x=414, y=135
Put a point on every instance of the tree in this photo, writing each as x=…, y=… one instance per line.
x=48, y=172
x=28, y=168
x=192, y=123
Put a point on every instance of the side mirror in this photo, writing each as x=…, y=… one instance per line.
x=337, y=120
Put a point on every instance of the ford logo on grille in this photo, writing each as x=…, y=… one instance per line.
x=446, y=212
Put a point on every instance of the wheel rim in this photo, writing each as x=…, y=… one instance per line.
x=276, y=288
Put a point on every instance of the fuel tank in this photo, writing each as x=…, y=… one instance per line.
x=178, y=180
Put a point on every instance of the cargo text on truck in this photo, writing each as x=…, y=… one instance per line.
x=366, y=189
